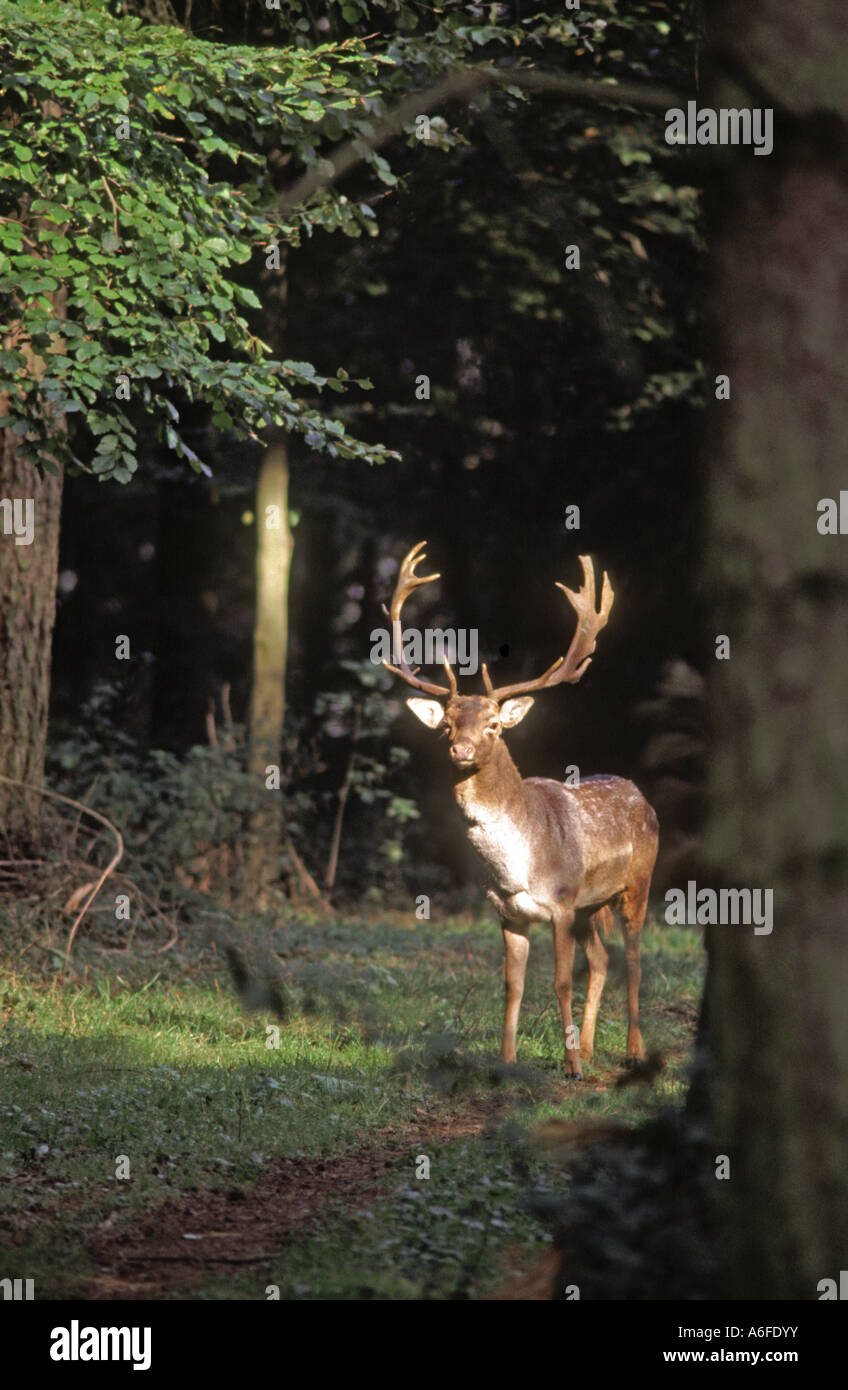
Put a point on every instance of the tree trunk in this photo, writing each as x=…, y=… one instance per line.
x=270, y=644
x=270, y=630
x=27, y=613
x=28, y=572
x=776, y=1011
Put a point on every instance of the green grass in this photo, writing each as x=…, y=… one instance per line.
x=388, y=1025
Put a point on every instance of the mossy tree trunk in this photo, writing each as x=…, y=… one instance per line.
x=274, y=544
x=27, y=613
x=28, y=574
x=777, y=1022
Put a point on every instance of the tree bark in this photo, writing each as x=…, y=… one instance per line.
x=270, y=631
x=777, y=1021
x=270, y=645
x=27, y=614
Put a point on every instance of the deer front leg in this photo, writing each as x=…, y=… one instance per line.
x=564, y=944
x=517, y=948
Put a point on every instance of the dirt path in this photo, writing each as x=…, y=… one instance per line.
x=183, y=1241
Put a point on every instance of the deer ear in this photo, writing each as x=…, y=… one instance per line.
x=430, y=712
x=513, y=711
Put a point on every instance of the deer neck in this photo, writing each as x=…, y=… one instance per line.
x=492, y=792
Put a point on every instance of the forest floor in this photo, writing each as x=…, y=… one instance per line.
x=339, y=1127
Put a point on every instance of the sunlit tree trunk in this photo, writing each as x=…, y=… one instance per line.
x=274, y=543
x=270, y=629
x=270, y=644
x=777, y=1020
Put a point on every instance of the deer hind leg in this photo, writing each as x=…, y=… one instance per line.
x=517, y=949
x=632, y=905
x=601, y=920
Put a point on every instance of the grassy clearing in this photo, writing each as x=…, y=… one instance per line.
x=388, y=1038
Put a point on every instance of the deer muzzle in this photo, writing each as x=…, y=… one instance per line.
x=462, y=752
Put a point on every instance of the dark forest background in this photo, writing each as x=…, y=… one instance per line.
x=548, y=387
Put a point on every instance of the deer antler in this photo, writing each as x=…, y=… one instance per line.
x=408, y=580
x=589, y=623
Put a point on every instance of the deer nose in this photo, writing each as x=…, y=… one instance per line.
x=462, y=752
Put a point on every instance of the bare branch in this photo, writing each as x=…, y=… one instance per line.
x=116, y=858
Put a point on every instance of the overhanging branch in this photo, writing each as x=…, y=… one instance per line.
x=458, y=84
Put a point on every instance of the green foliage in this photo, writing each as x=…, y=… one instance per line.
x=133, y=164
x=138, y=202
x=375, y=851
x=173, y=811
x=169, y=809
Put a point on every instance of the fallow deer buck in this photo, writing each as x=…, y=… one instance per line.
x=567, y=855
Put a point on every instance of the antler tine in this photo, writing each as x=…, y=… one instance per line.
x=589, y=623
x=589, y=620
x=408, y=580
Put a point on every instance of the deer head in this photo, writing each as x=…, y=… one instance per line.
x=474, y=723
